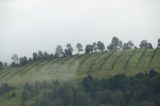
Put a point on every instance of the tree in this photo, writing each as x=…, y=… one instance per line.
x=30, y=60
x=86, y=82
x=88, y=49
x=79, y=47
x=120, y=44
x=147, y=103
x=13, y=64
x=145, y=45
x=152, y=73
x=110, y=47
x=23, y=60
x=100, y=46
x=104, y=96
x=38, y=58
x=5, y=64
x=24, y=96
x=35, y=57
x=46, y=56
x=115, y=45
x=51, y=56
x=150, y=46
x=130, y=44
x=82, y=99
x=1, y=65
x=69, y=50
x=125, y=46
x=4, y=88
x=15, y=58
x=59, y=101
x=59, y=51
x=158, y=45
x=40, y=55
x=69, y=47
x=118, y=98
x=94, y=46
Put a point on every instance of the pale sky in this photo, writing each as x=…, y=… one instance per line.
x=27, y=26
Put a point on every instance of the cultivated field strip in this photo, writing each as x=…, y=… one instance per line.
x=84, y=58
x=132, y=64
x=139, y=59
x=102, y=64
x=152, y=57
x=75, y=59
x=88, y=62
x=66, y=59
x=110, y=61
x=130, y=57
x=93, y=63
x=156, y=61
x=143, y=64
x=105, y=60
x=116, y=60
x=122, y=59
x=99, y=62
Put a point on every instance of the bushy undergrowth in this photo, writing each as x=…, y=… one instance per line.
x=143, y=89
x=4, y=88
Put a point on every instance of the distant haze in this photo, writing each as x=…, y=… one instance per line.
x=27, y=26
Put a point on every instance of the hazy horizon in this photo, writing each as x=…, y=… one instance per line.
x=27, y=26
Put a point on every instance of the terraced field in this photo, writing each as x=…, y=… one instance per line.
x=76, y=67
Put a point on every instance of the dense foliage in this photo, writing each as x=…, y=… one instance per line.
x=143, y=89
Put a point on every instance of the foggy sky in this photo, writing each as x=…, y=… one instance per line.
x=27, y=26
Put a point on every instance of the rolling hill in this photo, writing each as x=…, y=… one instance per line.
x=99, y=65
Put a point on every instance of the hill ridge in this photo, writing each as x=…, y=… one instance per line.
x=103, y=64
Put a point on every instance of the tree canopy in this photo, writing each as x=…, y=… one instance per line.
x=59, y=51
x=115, y=45
x=79, y=47
x=145, y=45
x=15, y=58
x=100, y=46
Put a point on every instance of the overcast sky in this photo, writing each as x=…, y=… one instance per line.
x=27, y=26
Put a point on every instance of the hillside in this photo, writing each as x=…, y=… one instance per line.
x=100, y=65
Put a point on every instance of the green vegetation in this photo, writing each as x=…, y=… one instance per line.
x=143, y=89
x=141, y=56
x=93, y=63
x=127, y=61
x=116, y=60
x=102, y=62
x=100, y=65
x=120, y=75
x=154, y=53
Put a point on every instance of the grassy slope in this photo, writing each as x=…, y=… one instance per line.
x=99, y=65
